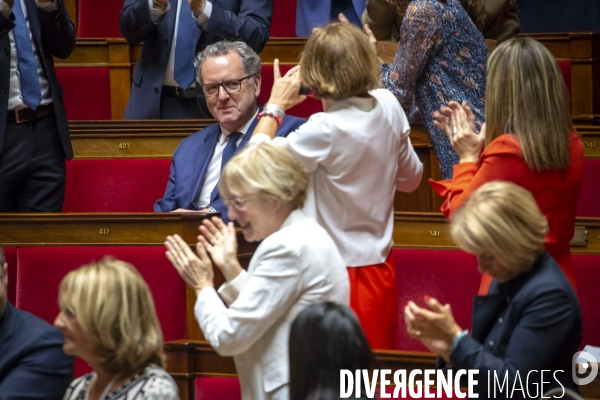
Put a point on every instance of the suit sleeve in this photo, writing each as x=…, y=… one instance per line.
x=169, y=201
x=540, y=332
x=251, y=24
x=466, y=178
x=266, y=296
x=58, y=32
x=134, y=21
x=44, y=372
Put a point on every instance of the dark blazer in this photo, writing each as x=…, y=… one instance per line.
x=190, y=163
x=32, y=362
x=245, y=20
x=54, y=35
x=313, y=13
x=532, y=322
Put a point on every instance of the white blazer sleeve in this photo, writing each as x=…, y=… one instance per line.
x=410, y=168
x=269, y=293
x=229, y=291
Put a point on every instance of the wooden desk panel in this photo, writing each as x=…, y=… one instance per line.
x=430, y=231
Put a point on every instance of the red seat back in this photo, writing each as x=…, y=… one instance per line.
x=587, y=273
x=588, y=205
x=87, y=92
x=115, y=185
x=305, y=109
x=98, y=19
x=42, y=268
x=283, y=23
x=217, y=388
x=10, y=256
x=448, y=275
x=565, y=69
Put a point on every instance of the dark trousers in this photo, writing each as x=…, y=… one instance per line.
x=347, y=8
x=32, y=167
x=173, y=107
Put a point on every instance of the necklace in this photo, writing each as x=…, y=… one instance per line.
x=106, y=389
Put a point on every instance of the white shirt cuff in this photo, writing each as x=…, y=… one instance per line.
x=46, y=6
x=229, y=291
x=204, y=18
x=156, y=14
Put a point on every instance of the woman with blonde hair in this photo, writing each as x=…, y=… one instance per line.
x=529, y=322
x=296, y=264
x=358, y=153
x=108, y=319
x=528, y=139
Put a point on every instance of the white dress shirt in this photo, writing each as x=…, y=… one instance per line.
x=358, y=154
x=213, y=173
x=156, y=14
x=294, y=267
x=15, y=99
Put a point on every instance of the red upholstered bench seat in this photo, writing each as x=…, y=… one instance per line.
x=588, y=205
x=115, y=185
x=40, y=270
x=448, y=275
x=305, y=109
x=217, y=388
x=86, y=92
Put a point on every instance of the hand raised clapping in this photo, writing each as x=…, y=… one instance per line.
x=434, y=327
x=458, y=122
x=196, y=270
x=221, y=243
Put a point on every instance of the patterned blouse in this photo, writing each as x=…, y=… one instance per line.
x=153, y=384
x=441, y=57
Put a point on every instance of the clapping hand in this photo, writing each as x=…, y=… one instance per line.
x=458, y=122
x=196, y=271
x=221, y=243
x=434, y=327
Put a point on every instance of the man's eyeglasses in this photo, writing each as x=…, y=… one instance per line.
x=237, y=203
x=231, y=86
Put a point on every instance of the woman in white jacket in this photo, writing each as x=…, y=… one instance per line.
x=295, y=265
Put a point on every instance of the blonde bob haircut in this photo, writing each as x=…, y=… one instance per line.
x=501, y=219
x=338, y=62
x=526, y=95
x=113, y=305
x=267, y=170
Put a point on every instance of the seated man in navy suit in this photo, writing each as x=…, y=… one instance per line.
x=229, y=75
x=32, y=362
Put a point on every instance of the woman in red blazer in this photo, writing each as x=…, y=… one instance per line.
x=528, y=139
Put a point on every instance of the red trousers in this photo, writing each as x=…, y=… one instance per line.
x=373, y=298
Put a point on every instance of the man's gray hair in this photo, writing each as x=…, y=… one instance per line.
x=250, y=60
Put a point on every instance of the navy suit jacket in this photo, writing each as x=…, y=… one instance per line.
x=313, y=13
x=190, y=163
x=245, y=20
x=32, y=362
x=54, y=35
x=532, y=322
